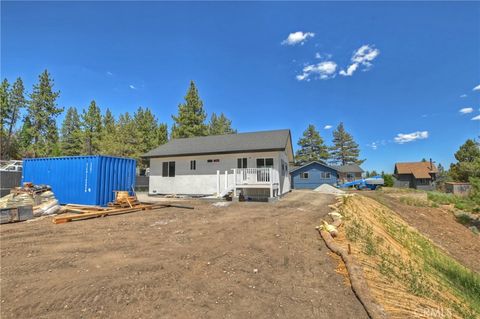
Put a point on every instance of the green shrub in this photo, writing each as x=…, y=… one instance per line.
x=388, y=180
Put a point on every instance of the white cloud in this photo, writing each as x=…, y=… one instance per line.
x=463, y=95
x=362, y=57
x=477, y=88
x=318, y=55
x=327, y=127
x=410, y=137
x=352, y=68
x=373, y=145
x=109, y=73
x=132, y=87
x=325, y=70
x=466, y=110
x=476, y=118
x=297, y=37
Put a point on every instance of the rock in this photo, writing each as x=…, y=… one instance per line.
x=255, y=271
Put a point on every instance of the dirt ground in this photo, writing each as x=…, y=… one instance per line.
x=438, y=224
x=247, y=260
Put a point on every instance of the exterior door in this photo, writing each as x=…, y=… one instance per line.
x=262, y=175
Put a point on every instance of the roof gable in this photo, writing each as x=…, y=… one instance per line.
x=276, y=140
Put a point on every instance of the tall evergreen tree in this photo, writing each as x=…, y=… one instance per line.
x=126, y=137
x=190, y=120
x=71, y=139
x=162, y=133
x=220, y=125
x=312, y=147
x=344, y=150
x=25, y=138
x=17, y=101
x=4, y=110
x=108, y=136
x=42, y=113
x=147, y=132
x=468, y=162
x=92, y=128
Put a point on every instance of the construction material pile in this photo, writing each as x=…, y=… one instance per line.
x=40, y=197
x=124, y=203
x=328, y=189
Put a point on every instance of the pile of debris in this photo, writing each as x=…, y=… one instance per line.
x=27, y=202
x=329, y=189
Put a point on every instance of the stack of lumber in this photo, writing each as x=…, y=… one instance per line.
x=123, y=200
x=78, y=212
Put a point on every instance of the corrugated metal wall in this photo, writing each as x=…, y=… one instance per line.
x=9, y=180
x=87, y=180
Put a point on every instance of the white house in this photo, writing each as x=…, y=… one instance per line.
x=255, y=164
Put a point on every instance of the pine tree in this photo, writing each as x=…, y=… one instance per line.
x=71, y=139
x=220, y=125
x=190, y=120
x=468, y=162
x=108, y=136
x=344, y=150
x=25, y=138
x=312, y=147
x=92, y=128
x=4, y=110
x=42, y=113
x=147, y=133
x=126, y=137
x=16, y=102
x=162, y=133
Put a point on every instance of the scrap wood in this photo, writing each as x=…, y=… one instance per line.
x=65, y=218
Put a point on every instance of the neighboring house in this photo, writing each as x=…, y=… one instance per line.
x=419, y=175
x=255, y=164
x=312, y=175
x=348, y=173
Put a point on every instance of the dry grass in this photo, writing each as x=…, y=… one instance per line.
x=407, y=274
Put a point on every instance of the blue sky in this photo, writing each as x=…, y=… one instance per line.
x=383, y=68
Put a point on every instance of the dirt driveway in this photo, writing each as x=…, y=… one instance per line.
x=248, y=260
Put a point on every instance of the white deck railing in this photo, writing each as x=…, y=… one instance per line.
x=255, y=176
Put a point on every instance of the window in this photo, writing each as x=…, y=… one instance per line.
x=216, y=160
x=304, y=175
x=168, y=169
x=264, y=162
x=193, y=165
x=242, y=162
x=325, y=175
x=213, y=160
x=209, y=161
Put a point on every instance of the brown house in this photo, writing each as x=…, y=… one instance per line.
x=419, y=175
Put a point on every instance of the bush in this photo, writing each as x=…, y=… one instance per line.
x=388, y=180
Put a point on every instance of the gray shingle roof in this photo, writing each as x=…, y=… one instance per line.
x=349, y=168
x=218, y=144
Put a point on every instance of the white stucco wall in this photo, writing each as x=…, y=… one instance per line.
x=203, y=180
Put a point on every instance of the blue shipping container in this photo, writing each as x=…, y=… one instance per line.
x=86, y=180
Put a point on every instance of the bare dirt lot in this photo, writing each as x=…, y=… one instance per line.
x=439, y=225
x=248, y=260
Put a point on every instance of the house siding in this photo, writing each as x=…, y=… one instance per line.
x=314, y=180
x=203, y=180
